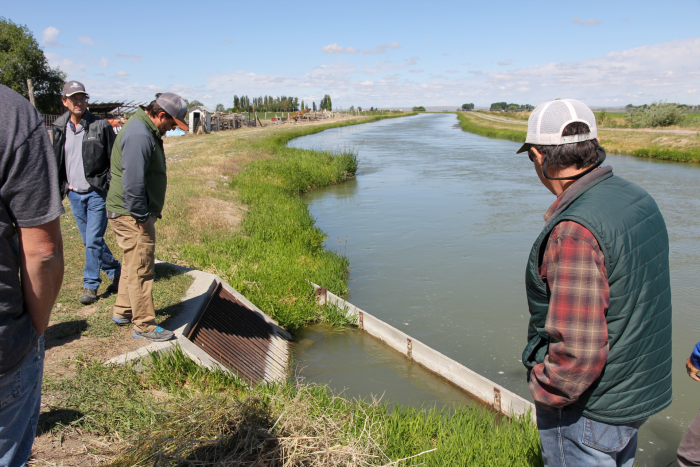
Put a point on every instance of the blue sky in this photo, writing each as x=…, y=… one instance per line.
x=375, y=53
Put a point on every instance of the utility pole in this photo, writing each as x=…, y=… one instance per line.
x=30, y=89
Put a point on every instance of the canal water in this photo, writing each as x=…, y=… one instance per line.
x=437, y=226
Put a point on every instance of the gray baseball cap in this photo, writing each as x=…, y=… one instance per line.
x=175, y=106
x=73, y=87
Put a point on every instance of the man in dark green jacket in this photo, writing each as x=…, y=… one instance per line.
x=598, y=290
x=135, y=200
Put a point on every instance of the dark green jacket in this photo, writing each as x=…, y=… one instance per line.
x=139, y=177
x=636, y=380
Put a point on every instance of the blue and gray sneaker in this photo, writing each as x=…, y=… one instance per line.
x=155, y=335
x=121, y=321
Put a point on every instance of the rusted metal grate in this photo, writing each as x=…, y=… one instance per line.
x=238, y=338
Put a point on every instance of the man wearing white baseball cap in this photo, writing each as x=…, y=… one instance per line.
x=135, y=200
x=598, y=290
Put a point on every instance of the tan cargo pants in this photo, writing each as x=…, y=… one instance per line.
x=135, y=296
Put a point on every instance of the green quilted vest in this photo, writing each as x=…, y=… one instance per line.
x=156, y=177
x=631, y=233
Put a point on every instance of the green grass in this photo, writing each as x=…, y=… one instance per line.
x=471, y=126
x=279, y=248
x=175, y=410
x=669, y=154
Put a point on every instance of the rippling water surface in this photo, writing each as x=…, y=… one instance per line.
x=437, y=226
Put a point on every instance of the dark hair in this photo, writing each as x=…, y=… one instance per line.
x=581, y=154
x=154, y=108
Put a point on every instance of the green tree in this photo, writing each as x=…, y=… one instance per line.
x=219, y=107
x=21, y=58
x=314, y=105
x=418, y=108
x=194, y=103
x=326, y=103
x=467, y=106
x=499, y=106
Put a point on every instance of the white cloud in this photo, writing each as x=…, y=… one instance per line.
x=86, y=40
x=66, y=64
x=380, y=49
x=49, y=36
x=588, y=22
x=505, y=62
x=452, y=71
x=667, y=71
x=334, y=48
x=104, y=62
x=132, y=58
x=122, y=73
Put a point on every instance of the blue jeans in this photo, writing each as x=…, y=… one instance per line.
x=20, y=400
x=569, y=440
x=91, y=216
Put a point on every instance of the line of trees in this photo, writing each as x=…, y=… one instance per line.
x=274, y=104
x=505, y=107
x=467, y=106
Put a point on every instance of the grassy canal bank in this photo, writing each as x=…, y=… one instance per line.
x=678, y=147
x=234, y=208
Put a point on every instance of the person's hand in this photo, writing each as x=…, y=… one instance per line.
x=145, y=225
x=692, y=371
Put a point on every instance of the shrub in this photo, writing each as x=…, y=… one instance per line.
x=655, y=115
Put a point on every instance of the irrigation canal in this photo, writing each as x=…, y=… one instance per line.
x=437, y=226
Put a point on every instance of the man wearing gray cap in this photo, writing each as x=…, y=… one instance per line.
x=135, y=200
x=599, y=294
x=82, y=143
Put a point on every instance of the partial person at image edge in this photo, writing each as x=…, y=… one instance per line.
x=31, y=268
x=599, y=295
x=135, y=200
x=83, y=143
x=689, y=450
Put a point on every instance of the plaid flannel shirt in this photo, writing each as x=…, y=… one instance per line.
x=573, y=268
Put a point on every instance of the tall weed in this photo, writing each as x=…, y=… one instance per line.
x=658, y=114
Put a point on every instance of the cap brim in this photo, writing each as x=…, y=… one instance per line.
x=183, y=126
x=524, y=148
x=74, y=93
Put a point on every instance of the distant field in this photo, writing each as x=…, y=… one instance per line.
x=607, y=119
x=664, y=146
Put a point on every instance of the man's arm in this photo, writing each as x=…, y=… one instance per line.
x=41, y=265
x=575, y=272
x=692, y=366
x=137, y=147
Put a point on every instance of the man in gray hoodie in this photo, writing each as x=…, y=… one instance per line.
x=83, y=144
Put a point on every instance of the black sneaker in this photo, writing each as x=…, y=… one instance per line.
x=157, y=334
x=114, y=286
x=88, y=297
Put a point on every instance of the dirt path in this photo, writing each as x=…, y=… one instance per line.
x=640, y=130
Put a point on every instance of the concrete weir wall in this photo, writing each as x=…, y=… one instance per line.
x=195, y=300
x=500, y=398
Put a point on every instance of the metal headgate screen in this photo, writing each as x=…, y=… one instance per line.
x=237, y=337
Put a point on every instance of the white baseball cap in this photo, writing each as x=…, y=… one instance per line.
x=547, y=122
